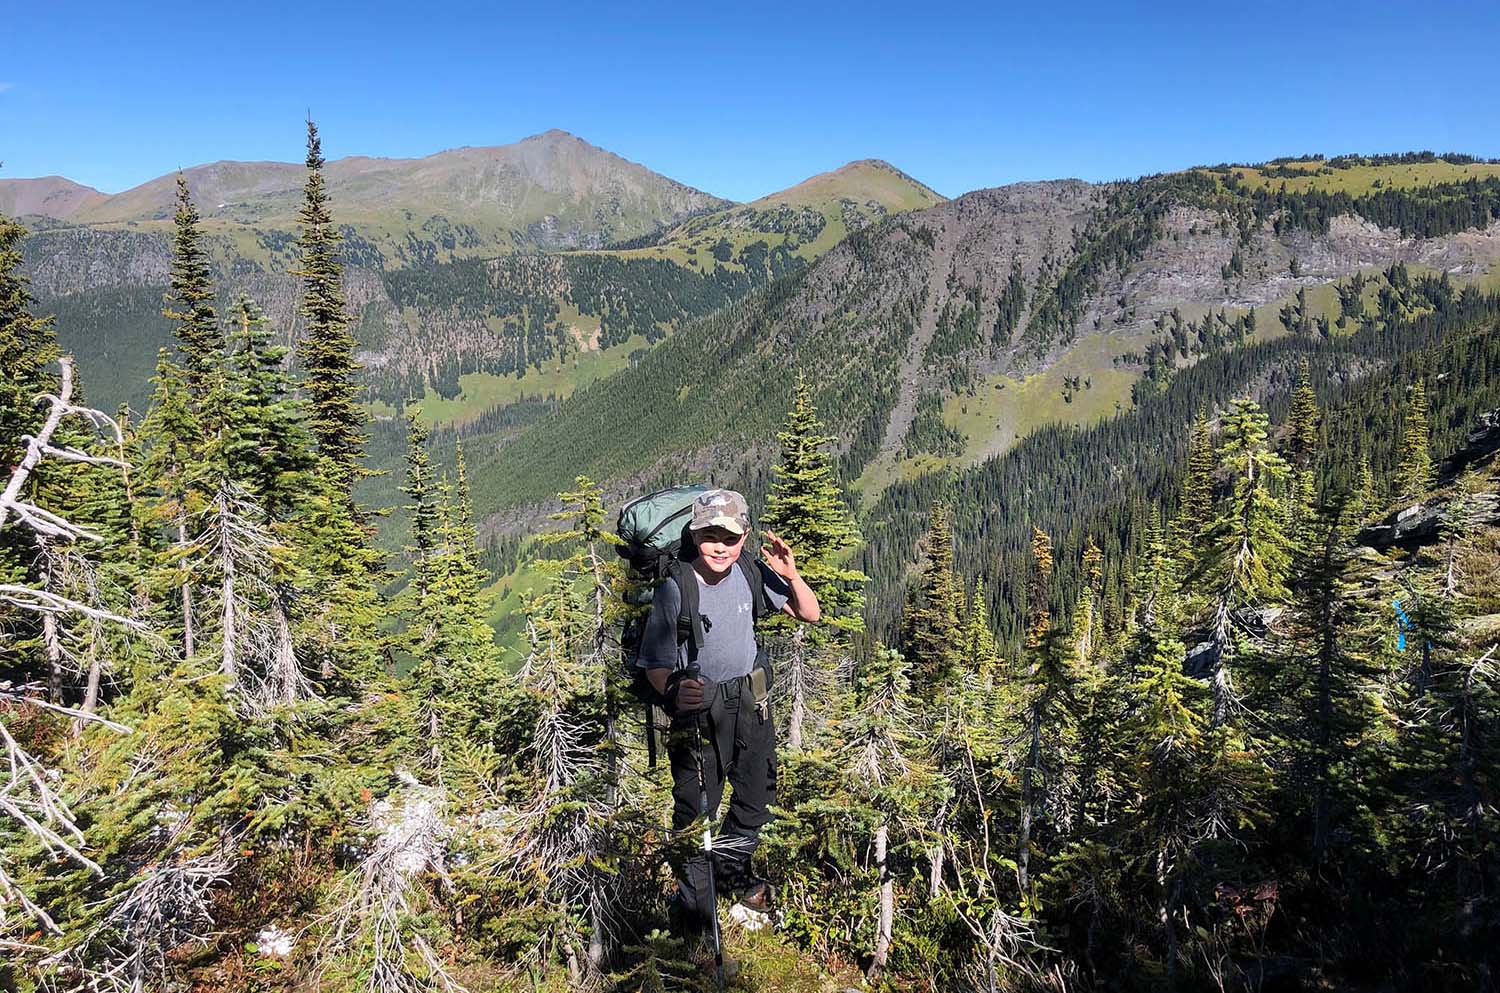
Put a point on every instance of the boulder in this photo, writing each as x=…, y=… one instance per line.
x=1480, y=446
x=1408, y=527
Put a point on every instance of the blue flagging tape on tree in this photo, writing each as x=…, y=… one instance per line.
x=1402, y=623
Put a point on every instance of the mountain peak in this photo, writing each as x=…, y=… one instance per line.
x=46, y=196
x=861, y=180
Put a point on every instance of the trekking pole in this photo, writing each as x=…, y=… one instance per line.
x=708, y=840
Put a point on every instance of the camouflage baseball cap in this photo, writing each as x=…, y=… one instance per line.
x=720, y=509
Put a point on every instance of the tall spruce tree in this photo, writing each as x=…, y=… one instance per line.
x=271, y=450
x=1302, y=447
x=932, y=624
x=341, y=627
x=1197, y=491
x=1414, y=470
x=27, y=348
x=589, y=564
x=457, y=664
x=174, y=474
x=1171, y=759
x=1045, y=699
x=807, y=508
x=327, y=351
x=190, y=304
x=422, y=507
x=1248, y=553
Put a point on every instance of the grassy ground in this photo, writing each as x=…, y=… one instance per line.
x=1362, y=179
x=505, y=610
x=1002, y=410
x=860, y=182
x=482, y=391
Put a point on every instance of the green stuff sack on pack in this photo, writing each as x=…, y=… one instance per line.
x=653, y=529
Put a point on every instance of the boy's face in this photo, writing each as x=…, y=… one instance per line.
x=718, y=548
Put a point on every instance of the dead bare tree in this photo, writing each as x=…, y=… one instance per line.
x=166, y=906
x=559, y=835
x=409, y=834
x=30, y=796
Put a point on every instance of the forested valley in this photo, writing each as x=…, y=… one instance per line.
x=1203, y=695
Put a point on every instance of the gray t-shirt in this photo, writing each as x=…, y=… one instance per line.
x=728, y=630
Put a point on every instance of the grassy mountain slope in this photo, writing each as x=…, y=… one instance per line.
x=611, y=304
x=942, y=337
x=466, y=335
x=552, y=190
x=805, y=220
x=52, y=197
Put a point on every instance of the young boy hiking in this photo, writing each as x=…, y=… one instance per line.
x=715, y=681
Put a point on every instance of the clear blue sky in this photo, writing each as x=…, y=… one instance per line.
x=744, y=99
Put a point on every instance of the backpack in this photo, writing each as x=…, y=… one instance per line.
x=654, y=540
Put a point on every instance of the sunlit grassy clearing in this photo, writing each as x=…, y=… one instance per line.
x=483, y=391
x=1362, y=179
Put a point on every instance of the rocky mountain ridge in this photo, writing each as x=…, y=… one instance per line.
x=439, y=300
x=552, y=190
x=937, y=338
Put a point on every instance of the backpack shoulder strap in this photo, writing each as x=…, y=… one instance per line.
x=689, y=620
x=760, y=603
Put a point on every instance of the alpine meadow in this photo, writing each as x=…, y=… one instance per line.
x=1128, y=595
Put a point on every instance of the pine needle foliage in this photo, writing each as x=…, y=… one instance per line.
x=327, y=350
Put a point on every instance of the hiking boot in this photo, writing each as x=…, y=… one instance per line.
x=758, y=896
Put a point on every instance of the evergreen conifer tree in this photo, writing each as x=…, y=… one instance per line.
x=418, y=489
x=1046, y=688
x=1171, y=761
x=932, y=624
x=1248, y=553
x=981, y=651
x=806, y=508
x=190, y=304
x=27, y=348
x=327, y=351
x=1305, y=419
x=173, y=471
x=1197, y=490
x=1414, y=471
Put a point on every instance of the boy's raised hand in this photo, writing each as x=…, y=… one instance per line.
x=779, y=557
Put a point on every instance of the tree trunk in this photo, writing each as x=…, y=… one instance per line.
x=91, y=690
x=575, y=968
x=597, y=929
x=1023, y=847
x=229, y=664
x=50, y=638
x=887, y=903
x=936, y=856
x=797, y=683
x=1164, y=915
x=286, y=676
x=187, y=597
x=325, y=668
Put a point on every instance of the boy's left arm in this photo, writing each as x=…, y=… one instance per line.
x=803, y=602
